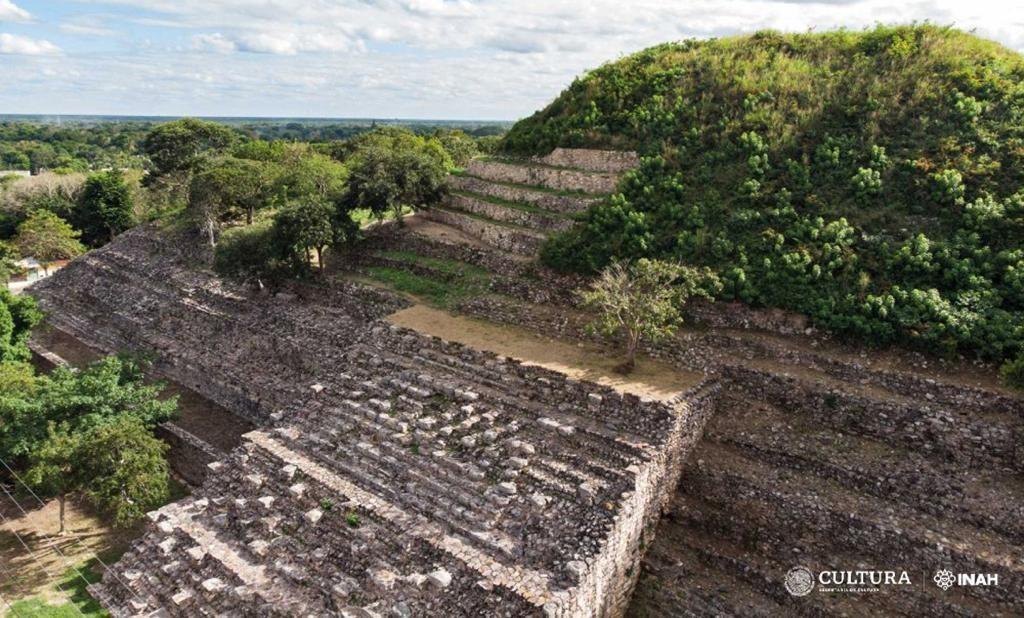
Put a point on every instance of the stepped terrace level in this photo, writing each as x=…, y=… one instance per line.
x=514, y=205
x=424, y=479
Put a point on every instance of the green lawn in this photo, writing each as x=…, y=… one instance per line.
x=72, y=586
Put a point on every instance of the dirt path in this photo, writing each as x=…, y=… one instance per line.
x=25, y=573
x=651, y=380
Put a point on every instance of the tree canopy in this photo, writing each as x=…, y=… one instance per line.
x=87, y=432
x=18, y=316
x=644, y=300
x=392, y=169
x=105, y=208
x=48, y=238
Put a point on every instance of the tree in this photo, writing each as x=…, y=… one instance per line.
x=310, y=174
x=643, y=300
x=304, y=228
x=105, y=208
x=391, y=169
x=18, y=316
x=178, y=150
x=118, y=466
x=460, y=146
x=75, y=402
x=8, y=262
x=48, y=238
x=228, y=185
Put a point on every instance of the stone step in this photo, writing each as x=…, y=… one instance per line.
x=986, y=498
x=547, y=200
x=514, y=239
x=547, y=177
x=530, y=217
x=693, y=537
x=983, y=441
x=821, y=518
x=679, y=581
x=612, y=161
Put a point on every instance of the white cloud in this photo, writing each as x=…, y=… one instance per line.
x=24, y=46
x=421, y=58
x=12, y=12
x=88, y=25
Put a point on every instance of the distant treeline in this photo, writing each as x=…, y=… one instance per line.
x=89, y=143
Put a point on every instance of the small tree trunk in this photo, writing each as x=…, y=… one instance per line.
x=632, y=343
x=210, y=234
x=320, y=259
x=248, y=216
x=62, y=499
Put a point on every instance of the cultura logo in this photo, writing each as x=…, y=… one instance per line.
x=944, y=579
x=799, y=581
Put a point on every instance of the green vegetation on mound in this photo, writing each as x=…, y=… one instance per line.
x=872, y=180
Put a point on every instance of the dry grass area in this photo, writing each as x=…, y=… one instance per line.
x=36, y=571
x=651, y=380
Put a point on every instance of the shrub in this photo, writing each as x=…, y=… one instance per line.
x=1013, y=372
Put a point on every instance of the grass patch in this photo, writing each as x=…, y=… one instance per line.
x=450, y=267
x=364, y=216
x=71, y=586
x=466, y=281
x=433, y=291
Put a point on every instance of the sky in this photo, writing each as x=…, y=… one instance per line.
x=430, y=59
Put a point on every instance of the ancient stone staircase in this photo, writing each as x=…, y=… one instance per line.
x=829, y=475
x=514, y=205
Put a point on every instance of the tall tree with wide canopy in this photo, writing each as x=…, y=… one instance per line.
x=178, y=149
x=391, y=169
x=105, y=207
x=48, y=238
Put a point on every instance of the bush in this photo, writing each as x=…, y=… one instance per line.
x=1013, y=373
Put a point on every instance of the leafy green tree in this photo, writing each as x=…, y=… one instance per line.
x=125, y=471
x=227, y=185
x=18, y=316
x=105, y=208
x=75, y=402
x=8, y=262
x=308, y=174
x=459, y=146
x=643, y=301
x=177, y=150
x=304, y=228
x=48, y=238
x=390, y=170
x=118, y=466
x=249, y=254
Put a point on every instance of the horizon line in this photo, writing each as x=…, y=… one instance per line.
x=257, y=117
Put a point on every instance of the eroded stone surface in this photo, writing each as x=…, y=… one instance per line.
x=418, y=478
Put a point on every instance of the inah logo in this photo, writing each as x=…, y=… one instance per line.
x=799, y=581
x=944, y=579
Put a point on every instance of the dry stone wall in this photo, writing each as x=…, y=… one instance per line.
x=505, y=237
x=546, y=200
x=558, y=179
x=498, y=212
x=514, y=205
x=612, y=161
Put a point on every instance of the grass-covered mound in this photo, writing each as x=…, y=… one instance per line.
x=873, y=180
